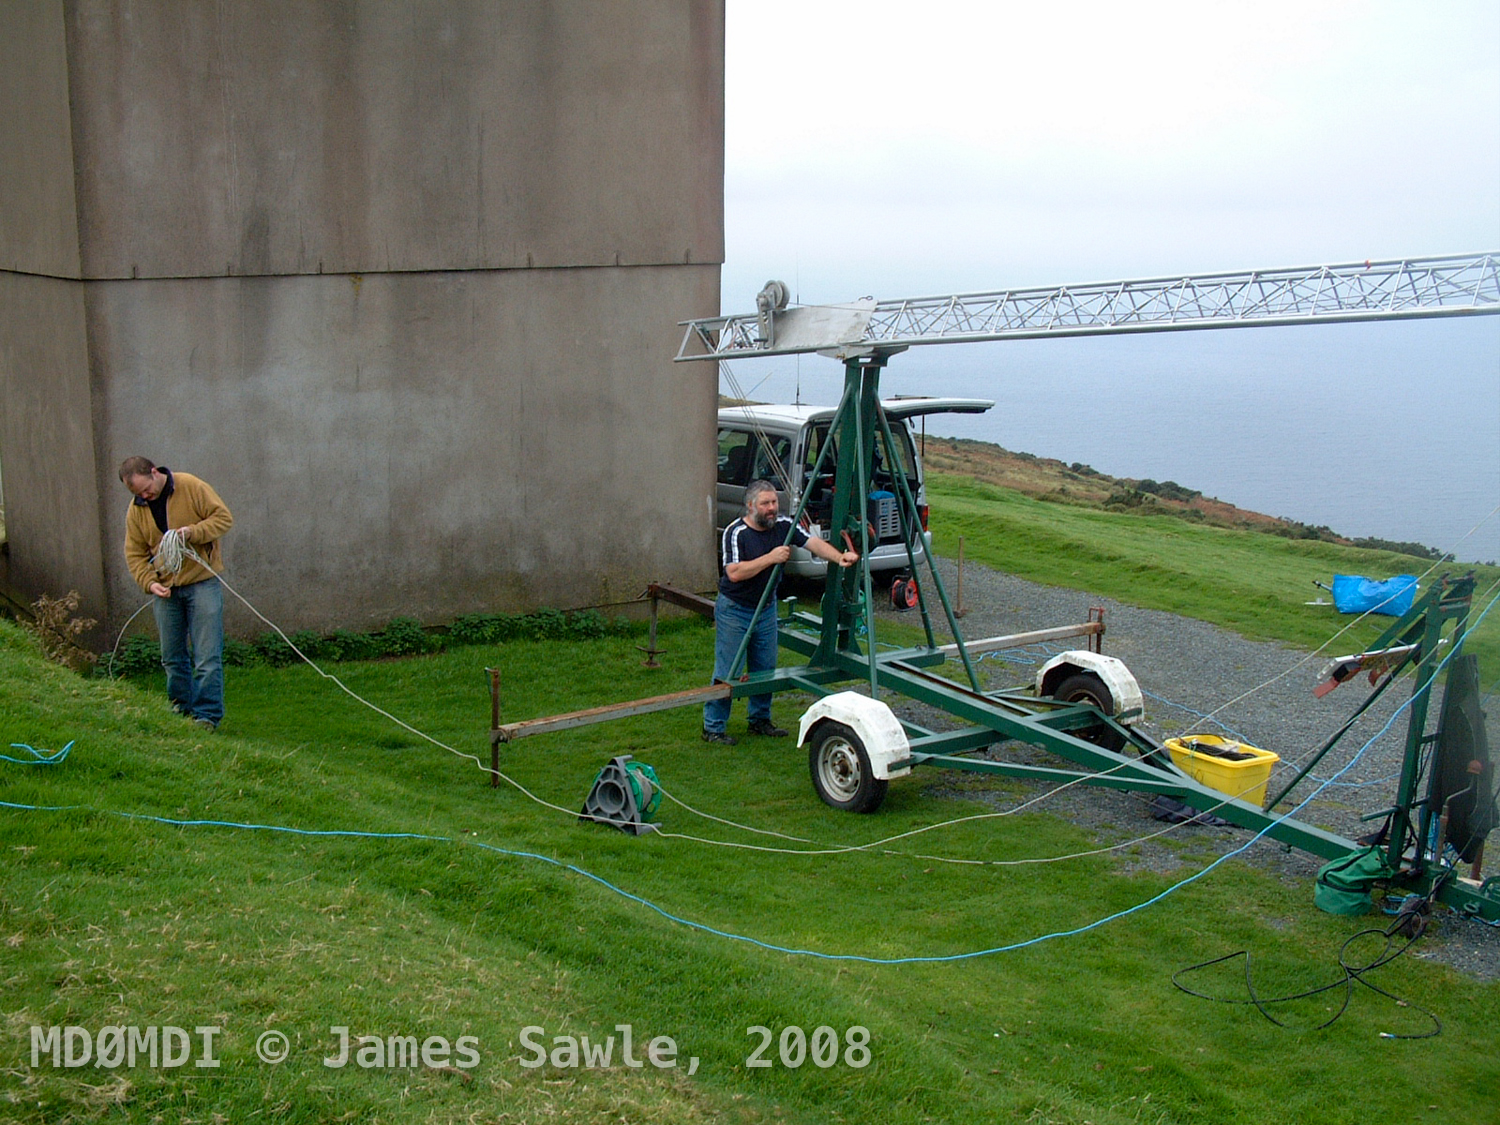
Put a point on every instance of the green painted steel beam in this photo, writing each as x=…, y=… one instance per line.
x=1165, y=784
x=800, y=677
x=1302, y=836
x=993, y=723
x=840, y=647
x=975, y=708
x=1482, y=901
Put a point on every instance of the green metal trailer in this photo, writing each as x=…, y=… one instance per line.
x=1098, y=747
x=857, y=746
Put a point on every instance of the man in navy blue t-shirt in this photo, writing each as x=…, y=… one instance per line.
x=749, y=551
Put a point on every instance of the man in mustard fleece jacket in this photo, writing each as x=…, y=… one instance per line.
x=189, y=604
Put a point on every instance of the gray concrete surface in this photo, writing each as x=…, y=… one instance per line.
x=52, y=492
x=401, y=281
x=423, y=444
x=288, y=138
x=38, y=222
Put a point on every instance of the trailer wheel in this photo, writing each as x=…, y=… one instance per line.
x=841, y=770
x=1085, y=687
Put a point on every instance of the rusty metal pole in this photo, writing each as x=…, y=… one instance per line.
x=1096, y=642
x=494, y=727
x=958, y=600
x=651, y=652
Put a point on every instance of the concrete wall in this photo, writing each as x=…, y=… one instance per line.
x=38, y=220
x=401, y=280
x=46, y=427
x=423, y=443
x=46, y=434
x=313, y=136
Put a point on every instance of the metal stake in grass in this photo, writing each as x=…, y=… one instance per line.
x=958, y=599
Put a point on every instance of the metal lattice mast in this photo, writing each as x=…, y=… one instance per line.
x=1457, y=285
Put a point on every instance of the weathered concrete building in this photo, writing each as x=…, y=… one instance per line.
x=401, y=280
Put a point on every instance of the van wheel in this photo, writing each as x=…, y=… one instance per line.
x=841, y=771
x=1085, y=687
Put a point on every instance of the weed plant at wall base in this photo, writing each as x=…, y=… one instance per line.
x=57, y=630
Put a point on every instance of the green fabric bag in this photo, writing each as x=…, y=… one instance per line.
x=1343, y=885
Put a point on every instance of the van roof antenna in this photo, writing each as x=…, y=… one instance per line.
x=797, y=280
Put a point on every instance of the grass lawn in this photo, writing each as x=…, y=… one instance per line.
x=1248, y=581
x=161, y=876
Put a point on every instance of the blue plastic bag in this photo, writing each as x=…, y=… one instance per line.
x=1354, y=593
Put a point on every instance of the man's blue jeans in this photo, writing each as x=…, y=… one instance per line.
x=191, y=626
x=731, y=623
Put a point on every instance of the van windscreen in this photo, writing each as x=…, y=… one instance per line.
x=880, y=476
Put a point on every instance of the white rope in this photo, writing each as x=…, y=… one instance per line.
x=1444, y=559
x=173, y=551
x=780, y=471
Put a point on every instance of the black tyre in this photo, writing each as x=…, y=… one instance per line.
x=841, y=770
x=1085, y=687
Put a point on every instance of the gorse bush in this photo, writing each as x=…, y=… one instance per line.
x=1402, y=547
x=1168, y=490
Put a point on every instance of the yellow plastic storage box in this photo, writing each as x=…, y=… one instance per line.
x=1245, y=779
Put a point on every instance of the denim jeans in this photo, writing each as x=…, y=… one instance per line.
x=731, y=622
x=191, y=626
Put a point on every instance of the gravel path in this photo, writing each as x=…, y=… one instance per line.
x=1189, y=668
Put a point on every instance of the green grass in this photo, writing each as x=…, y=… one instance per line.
x=1247, y=581
x=109, y=917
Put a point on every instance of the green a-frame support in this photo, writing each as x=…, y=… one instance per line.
x=839, y=647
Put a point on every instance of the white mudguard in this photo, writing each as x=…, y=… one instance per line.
x=1123, y=689
x=879, y=729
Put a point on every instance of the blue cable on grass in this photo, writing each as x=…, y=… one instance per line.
x=1024, y=655
x=38, y=757
x=690, y=924
x=1386, y=780
x=932, y=959
x=699, y=925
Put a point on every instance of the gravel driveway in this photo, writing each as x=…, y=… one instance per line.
x=1188, y=669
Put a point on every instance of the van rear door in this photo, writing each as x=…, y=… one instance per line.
x=909, y=406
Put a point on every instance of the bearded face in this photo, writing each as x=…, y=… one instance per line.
x=763, y=511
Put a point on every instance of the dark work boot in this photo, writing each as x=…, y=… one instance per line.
x=766, y=728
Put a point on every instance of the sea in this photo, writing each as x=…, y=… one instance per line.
x=1386, y=429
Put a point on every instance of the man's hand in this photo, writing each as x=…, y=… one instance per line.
x=743, y=571
x=829, y=553
x=160, y=590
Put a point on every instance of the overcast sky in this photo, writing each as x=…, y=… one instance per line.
x=897, y=149
x=908, y=149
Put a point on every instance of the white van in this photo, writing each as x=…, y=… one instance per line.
x=782, y=444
